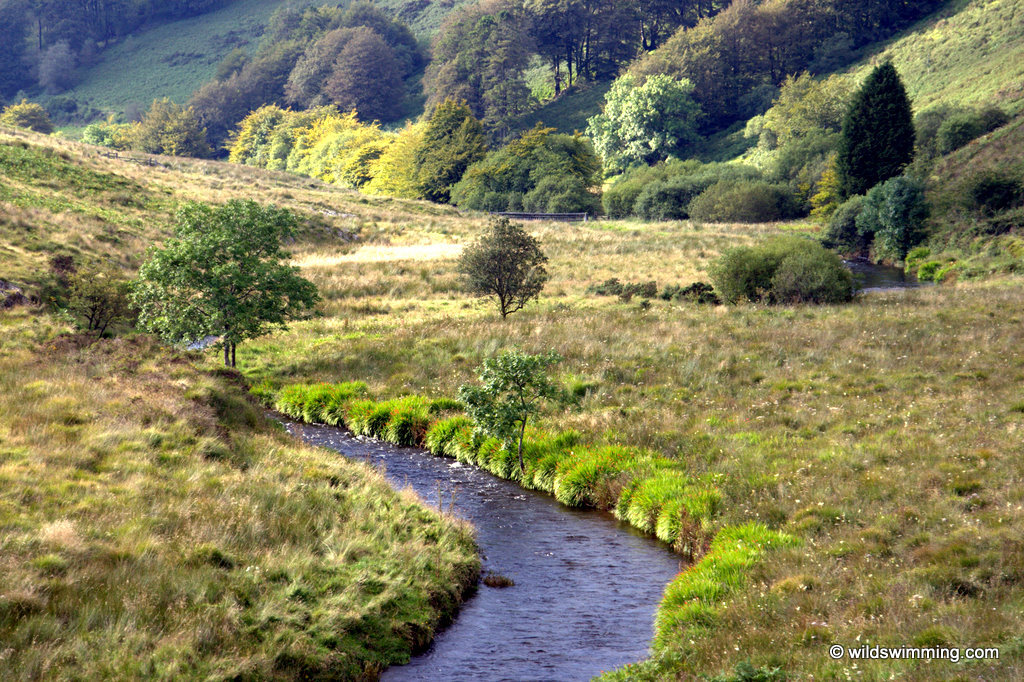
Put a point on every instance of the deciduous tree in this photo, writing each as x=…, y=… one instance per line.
x=506, y=263
x=223, y=274
x=514, y=387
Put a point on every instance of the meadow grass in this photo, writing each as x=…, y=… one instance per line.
x=969, y=54
x=883, y=435
x=156, y=525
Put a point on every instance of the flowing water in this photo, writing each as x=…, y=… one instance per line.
x=586, y=585
x=873, y=277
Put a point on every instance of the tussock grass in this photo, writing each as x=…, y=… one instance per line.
x=155, y=525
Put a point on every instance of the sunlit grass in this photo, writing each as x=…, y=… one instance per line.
x=155, y=525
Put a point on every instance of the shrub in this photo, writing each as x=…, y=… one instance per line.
x=927, y=271
x=670, y=199
x=783, y=270
x=893, y=213
x=812, y=275
x=699, y=292
x=841, y=233
x=27, y=115
x=748, y=201
x=994, y=191
x=960, y=128
x=560, y=194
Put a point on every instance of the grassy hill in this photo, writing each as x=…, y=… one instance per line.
x=155, y=524
x=175, y=58
x=970, y=53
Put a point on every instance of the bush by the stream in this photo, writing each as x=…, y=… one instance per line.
x=783, y=270
x=578, y=475
x=748, y=201
x=841, y=233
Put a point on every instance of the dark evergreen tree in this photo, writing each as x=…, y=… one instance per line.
x=877, y=140
x=453, y=141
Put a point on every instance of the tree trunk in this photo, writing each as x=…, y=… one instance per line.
x=227, y=356
x=522, y=432
x=233, y=346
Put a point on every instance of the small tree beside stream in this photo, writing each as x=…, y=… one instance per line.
x=223, y=274
x=514, y=387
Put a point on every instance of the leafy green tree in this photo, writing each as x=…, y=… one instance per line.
x=223, y=274
x=366, y=77
x=171, y=129
x=644, y=123
x=14, y=73
x=893, y=213
x=453, y=141
x=27, y=115
x=877, y=139
x=541, y=171
x=507, y=263
x=514, y=387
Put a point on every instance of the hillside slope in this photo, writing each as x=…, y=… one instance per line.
x=175, y=58
x=64, y=197
x=970, y=53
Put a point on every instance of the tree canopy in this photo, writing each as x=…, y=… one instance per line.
x=223, y=274
x=877, y=140
x=506, y=263
x=644, y=123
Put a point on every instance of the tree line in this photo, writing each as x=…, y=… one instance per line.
x=49, y=37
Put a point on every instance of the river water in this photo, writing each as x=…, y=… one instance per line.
x=870, y=276
x=586, y=585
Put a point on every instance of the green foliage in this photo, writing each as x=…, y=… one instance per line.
x=108, y=133
x=806, y=106
x=960, y=128
x=644, y=123
x=749, y=201
x=453, y=141
x=27, y=115
x=98, y=299
x=842, y=233
x=169, y=128
x=223, y=274
x=782, y=270
x=995, y=191
x=877, y=140
x=513, y=388
x=507, y=263
x=479, y=56
x=539, y=172
x=893, y=214
x=664, y=191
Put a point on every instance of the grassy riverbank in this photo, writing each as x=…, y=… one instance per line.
x=156, y=525
x=882, y=435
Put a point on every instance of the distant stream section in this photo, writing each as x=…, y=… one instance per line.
x=870, y=276
x=586, y=586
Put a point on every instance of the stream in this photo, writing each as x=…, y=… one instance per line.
x=870, y=276
x=586, y=585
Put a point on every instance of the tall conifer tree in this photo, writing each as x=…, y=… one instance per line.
x=878, y=133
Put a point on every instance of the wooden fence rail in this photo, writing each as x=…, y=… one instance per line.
x=560, y=217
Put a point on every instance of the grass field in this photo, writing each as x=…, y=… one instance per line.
x=174, y=59
x=883, y=436
x=157, y=526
